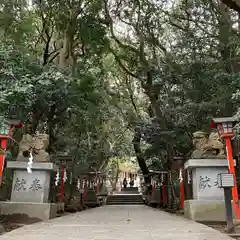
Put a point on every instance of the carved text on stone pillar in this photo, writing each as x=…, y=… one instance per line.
x=19, y=185
x=204, y=182
x=35, y=186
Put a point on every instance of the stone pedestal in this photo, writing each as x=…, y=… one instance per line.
x=208, y=200
x=30, y=191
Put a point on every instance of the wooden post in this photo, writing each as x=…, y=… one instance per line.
x=153, y=190
x=85, y=192
x=182, y=192
x=3, y=142
x=98, y=186
x=62, y=185
x=228, y=206
x=186, y=185
x=164, y=193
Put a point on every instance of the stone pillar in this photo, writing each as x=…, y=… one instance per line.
x=30, y=191
x=207, y=204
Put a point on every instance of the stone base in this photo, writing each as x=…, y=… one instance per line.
x=205, y=210
x=205, y=178
x=31, y=187
x=42, y=211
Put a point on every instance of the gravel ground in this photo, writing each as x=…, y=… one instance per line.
x=116, y=223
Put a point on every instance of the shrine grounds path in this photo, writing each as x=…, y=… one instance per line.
x=125, y=222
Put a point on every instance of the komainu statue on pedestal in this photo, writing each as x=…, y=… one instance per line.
x=37, y=144
x=208, y=146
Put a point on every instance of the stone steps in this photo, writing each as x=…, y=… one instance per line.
x=123, y=199
x=130, y=190
x=125, y=203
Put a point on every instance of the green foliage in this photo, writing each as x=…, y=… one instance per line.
x=89, y=72
x=185, y=57
x=72, y=105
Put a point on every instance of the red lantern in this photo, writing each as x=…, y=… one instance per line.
x=224, y=126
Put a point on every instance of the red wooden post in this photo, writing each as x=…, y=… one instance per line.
x=3, y=145
x=232, y=170
x=182, y=193
x=62, y=185
x=179, y=160
x=64, y=160
x=3, y=142
x=4, y=138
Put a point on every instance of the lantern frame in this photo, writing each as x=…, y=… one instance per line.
x=64, y=160
x=225, y=126
x=12, y=123
x=16, y=123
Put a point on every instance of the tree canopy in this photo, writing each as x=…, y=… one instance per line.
x=119, y=78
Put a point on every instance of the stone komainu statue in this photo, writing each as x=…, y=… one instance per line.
x=38, y=144
x=208, y=146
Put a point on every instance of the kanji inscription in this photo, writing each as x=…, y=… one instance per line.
x=206, y=182
x=20, y=185
x=35, y=186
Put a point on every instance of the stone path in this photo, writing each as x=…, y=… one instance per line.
x=128, y=222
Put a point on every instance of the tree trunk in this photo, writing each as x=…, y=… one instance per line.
x=50, y=127
x=157, y=114
x=33, y=122
x=233, y=4
x=224, y=37
x=67, y=55
x=141, y=160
